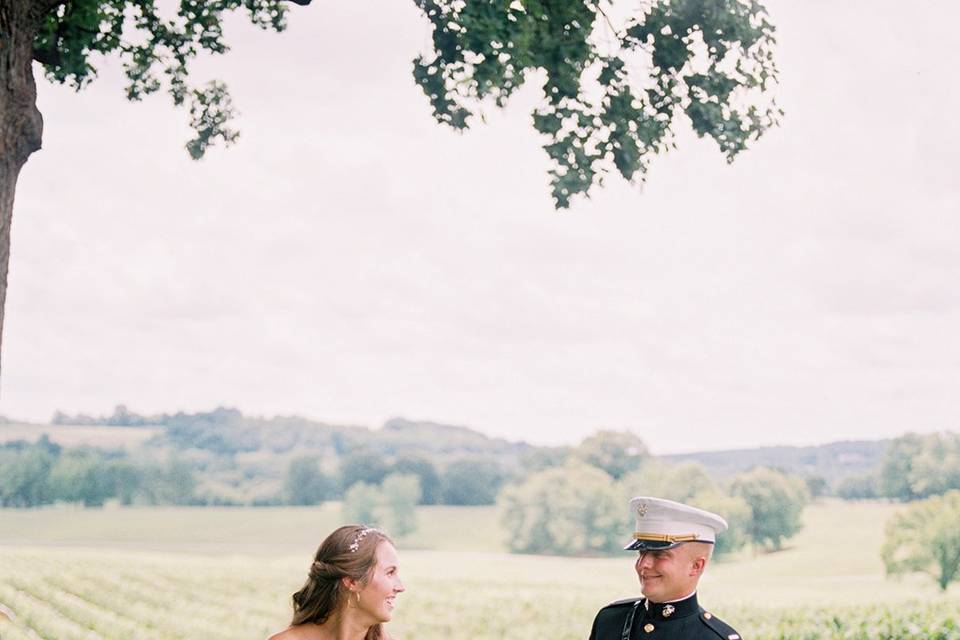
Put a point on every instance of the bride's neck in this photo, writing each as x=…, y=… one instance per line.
x=344, y=626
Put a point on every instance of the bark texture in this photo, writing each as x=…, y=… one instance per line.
x=21, y=125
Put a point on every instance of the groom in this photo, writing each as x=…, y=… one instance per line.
x=674, y=542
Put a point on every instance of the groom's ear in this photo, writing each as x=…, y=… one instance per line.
x=697, y=566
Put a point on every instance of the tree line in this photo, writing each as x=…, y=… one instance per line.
x=914, y=467
x=578, y=507
x=40, y=473
x=469, y=481
x=565, y=500
x=217, y=443
x=35, y=474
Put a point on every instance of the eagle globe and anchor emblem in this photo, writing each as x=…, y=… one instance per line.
x=668, y=610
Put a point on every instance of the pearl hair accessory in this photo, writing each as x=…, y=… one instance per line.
x=361, y=534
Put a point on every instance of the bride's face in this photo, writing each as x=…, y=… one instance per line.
x=378, y=596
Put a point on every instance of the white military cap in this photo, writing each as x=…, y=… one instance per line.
x=664, y=524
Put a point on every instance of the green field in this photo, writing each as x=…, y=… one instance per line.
x=228, y=573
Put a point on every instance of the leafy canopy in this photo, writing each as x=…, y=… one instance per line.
x=612, y=95
x=776, y=503
x=919, y=466
x=678, y=482
x=616, y=452
x=926, y=538
x=156, y=51
x=391, y=505
x=570, y=510
x=691, y=484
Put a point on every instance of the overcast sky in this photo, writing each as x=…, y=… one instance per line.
x=350, y=260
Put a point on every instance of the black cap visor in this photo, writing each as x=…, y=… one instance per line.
x=657, y=545
x=651, y=545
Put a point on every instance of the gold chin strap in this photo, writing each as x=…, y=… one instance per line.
x=663, y=537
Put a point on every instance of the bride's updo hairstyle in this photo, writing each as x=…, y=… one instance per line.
x=350, y=551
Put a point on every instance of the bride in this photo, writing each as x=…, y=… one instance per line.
x=351, y=589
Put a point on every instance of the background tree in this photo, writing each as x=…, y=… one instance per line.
x=569, y=510
x=616, y=452
x=472, y=482
x=431, y=489
x=82, y=476
x=916, y=466
x=817, y=486
x=391, y=505
x=68, y=37
x=305, y=483
x=361, y=465
x=776, y=503
x=735, y=511
x=704, y=61
x=43, y=472
x=25, y=475
x=360, y=504
x=399, y=495
x=128, y=479
x=542, y=458
x=858, y=487
x=690, y=483
x=897, y=467
x=172, y=482
x=679, y=482
x=936, y=469
x=709, y=62
x=926, y=537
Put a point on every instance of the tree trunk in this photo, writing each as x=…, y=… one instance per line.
x=21, y=126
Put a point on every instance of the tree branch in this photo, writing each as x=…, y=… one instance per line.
x=47, y=56
x=605, y=17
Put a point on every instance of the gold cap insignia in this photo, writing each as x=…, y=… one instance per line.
x=642, y=509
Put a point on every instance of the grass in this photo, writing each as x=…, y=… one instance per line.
x=234, y=530
x=834, y=559
x=212, y=573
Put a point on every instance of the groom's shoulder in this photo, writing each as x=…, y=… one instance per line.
x=618, y=608
x=718, y=626
x=610, y=619
x=626, y=602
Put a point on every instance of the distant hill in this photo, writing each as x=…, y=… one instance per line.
x=267, y=444
x=77, y=435
x=833, y=461
x=405, y=436
x=228, y=432
x=240, y=459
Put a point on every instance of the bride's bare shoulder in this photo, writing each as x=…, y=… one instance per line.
x=292, y=633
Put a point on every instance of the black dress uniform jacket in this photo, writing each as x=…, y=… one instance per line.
x=638, y=619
